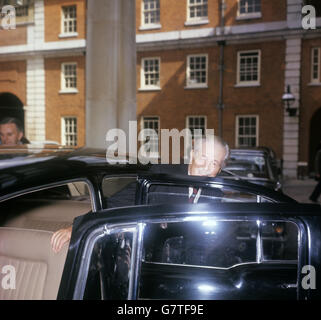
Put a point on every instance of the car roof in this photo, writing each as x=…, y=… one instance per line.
x=28, y=167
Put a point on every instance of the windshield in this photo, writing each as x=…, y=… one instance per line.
x=248, y=166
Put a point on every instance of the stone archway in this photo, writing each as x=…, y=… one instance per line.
x=11, y=106
x=315, y=137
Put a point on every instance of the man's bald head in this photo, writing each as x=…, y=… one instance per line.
x=208, y=156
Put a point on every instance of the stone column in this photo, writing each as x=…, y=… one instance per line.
x=110, y=68
x=292, y=78
x=35, y=112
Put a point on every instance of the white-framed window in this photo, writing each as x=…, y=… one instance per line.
x=152, y=136
x=197, y=10
x=315, y=65
x=150, y=73
x=196, y=123
x=69, y=20
x=150, y=14
x=69, y=131
x=247, y=131
x=249, y=9
x=248, y=67
x=196, y=73
x=69, y=77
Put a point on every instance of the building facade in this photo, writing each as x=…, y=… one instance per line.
x=225, y=65
x=42, y=68
x=215, y=64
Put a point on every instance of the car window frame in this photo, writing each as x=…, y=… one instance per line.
x=91, y=189
x=92, y=236
x=144, y=184
x=122, y=175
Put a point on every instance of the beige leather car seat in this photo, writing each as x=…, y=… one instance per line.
x=38, y=269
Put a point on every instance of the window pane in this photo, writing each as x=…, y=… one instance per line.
x=247, y=131
x=248, y=67
x=109, y=268
x=151, y=11
x=206, y=243
x=197, y=70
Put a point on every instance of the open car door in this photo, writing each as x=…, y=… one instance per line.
x=194, y=251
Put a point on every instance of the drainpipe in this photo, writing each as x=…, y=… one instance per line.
x=221, y=44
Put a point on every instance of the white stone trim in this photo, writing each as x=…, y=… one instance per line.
x=68, y=35
x=291, y=124
x=35, y=110
x=294, y=15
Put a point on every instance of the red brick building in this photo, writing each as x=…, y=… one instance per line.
x=198, y=66
x=42, y=69
x=265, y=49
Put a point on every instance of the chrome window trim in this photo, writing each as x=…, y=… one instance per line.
x=93, y=237
x=227, y=268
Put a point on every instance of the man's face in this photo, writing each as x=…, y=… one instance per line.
x=207, y=162
x=9, y=134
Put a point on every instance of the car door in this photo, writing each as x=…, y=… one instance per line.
x=235, y=251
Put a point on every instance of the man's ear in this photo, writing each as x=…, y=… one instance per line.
x=20, y=135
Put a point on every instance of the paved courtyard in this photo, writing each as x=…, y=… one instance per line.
x=300, y=190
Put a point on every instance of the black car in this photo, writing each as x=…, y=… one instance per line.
x=136, y=236
x=255, y=165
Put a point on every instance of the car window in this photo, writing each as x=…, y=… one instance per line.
x=207, y=243
x=119, y=191
x=109, y=267
x=166, y=193
x=251, y=166
x=47, y=209
x=213, y=259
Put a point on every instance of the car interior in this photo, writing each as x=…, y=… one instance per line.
x=27, y=224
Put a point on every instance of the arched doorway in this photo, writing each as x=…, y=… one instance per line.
x=315, y=137
x=11, y=106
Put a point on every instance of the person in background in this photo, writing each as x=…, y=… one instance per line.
x=11, y=132
x=207, y=157
x=317, y=190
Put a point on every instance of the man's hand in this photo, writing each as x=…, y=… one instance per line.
x=59, y=238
